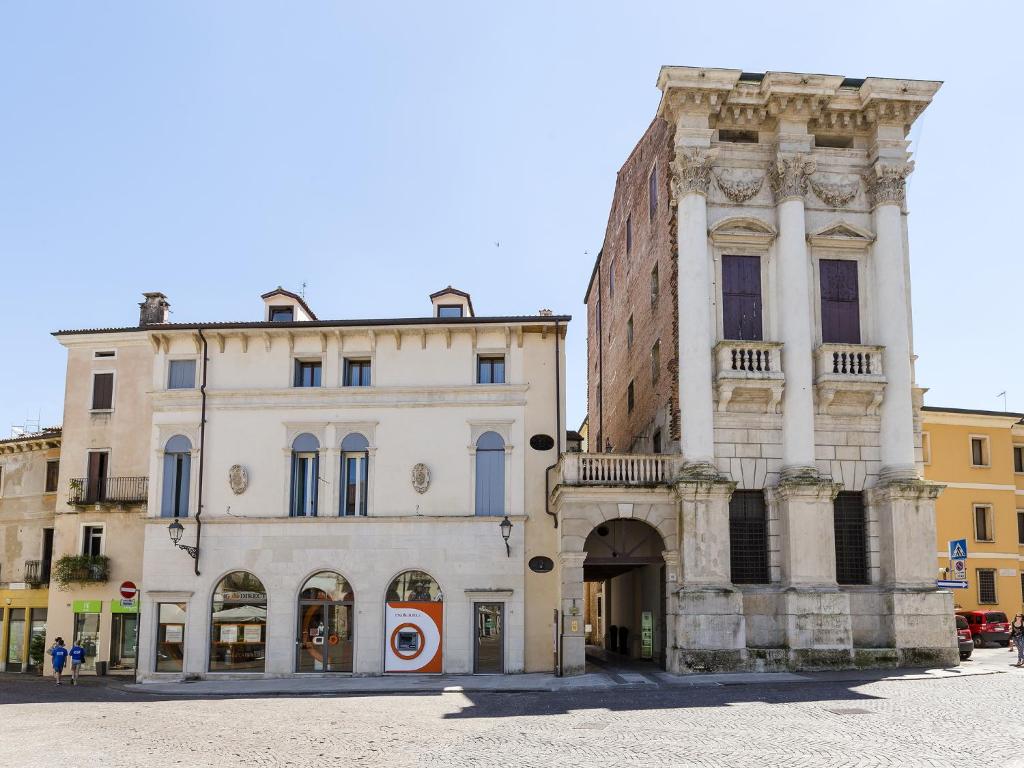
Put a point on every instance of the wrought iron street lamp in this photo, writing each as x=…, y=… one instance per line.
x=506, y=531
x=176, y=529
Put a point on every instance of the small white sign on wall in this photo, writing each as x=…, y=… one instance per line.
x=1007, y=571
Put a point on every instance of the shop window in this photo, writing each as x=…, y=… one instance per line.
x=490, y=474
x=355, y=471
x=305, y=476
x=325, y=628
x=177, y=474
x=87, y=635
x=170, y=637
x=414, y=587
x=238, y=624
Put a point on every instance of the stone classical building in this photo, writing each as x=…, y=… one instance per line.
x=752, y=498
x=29, y=466
x=335, y=496
x=979, y=457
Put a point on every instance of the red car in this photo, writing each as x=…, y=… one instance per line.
x=987, y=627
x=963, y=638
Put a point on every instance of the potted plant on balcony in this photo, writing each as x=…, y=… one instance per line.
x=80, y=569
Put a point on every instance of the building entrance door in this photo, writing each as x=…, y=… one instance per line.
x=325, y=637
x=489, y=649
x=124, y=631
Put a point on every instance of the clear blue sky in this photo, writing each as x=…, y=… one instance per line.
x=215, y=150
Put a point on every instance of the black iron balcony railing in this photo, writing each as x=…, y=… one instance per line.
x=37, y=572
x=108, y=490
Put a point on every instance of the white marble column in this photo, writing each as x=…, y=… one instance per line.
x=691, y=176
x=788, y=176
x=887, y=186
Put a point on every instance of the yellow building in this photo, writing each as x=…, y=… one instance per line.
x=979, y=457
x=29, y=466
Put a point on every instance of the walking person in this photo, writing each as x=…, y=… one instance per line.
x=77, y=658
x=58, y=656
x=1017, y=637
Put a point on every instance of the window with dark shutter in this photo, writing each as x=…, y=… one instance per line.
x=851, y=537
x=52, y=474
x=1018, y=458
x=748, y=537
x=741, y=298
x=1020, y=527
x=102, y=391
x=840, y=301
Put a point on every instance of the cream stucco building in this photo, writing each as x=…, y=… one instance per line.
x=340, y=488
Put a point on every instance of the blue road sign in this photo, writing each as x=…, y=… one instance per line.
x=948, y=584
x=958, y=549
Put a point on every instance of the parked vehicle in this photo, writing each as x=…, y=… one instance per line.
x=963, y=636
x=987, y=627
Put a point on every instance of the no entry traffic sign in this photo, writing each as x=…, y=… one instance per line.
x=128, y=590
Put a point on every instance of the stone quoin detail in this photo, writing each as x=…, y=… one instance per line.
x=739, y=189
x=836, y=194
x=788, y=175
x=888, y=183
x=420, y=478
x=691, y=172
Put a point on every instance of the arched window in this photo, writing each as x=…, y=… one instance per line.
x=305, y=475
x=490, y=474
x=238, y=624
x=355, y=471
x=414, y=587
x=325, y=624
x=177, y=471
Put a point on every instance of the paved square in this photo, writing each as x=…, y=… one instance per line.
x=934, y=722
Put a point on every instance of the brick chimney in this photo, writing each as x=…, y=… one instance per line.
x=154, y=309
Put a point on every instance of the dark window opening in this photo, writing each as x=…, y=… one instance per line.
x=629, y=234
x=656, y=441
x=851, y=538
x=1018, y=458
x=652, y=194
x=357, y=373
x=737, y=137
x=52, y=474
x=840, y=301
x=982, y=524
x=102, y=391
x=1020, y=527
x=307, y=373
x=978, y=457
x=654, y=285
x=986, y=586
x=92, y=540
x=630, y=399
x=282, y=314
x=629, y=333
x=490, y=370
x=741, y=298
x=833, y=142
x=748, y=537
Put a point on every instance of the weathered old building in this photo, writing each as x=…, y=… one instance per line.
x=752, y=497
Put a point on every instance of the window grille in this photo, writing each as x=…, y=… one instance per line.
x=851, y=538
x=748, y=537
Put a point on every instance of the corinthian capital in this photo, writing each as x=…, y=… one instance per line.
x=887, y=182
x=691, y=171
x=788, y=176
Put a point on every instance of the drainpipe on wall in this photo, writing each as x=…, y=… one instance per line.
x=202, y=450
x=558, y=432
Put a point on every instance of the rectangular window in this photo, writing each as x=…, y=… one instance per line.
x=741, y=298
x=92, y=540
x=305, y=484
x=926, y=448
x=449, y=310
x=748, y=537
x=170, y=637
x=282, y=314
x=1018, y=458
x=656, y=361
x=1020, y=527
x=629, y=234
x=652, y=194
x=629, y=333
x=630, y=399
x=307, y=373
x=356, y=467
x=654, y=285
x=851, y=535
x=181, y=374
x=986, y=586
x=490, y=370
x=840, y=301
x=357, y=373
x=106, y=353
x=102, y=391
x=52, y=473
x=611, y=278
x=983, y=523
x=656, y=441
x=979, y=451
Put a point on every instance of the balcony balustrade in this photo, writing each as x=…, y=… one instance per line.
x=848, y=378
x=749, y=376
x=616, y=469
x=37, y=572
x=109, y=490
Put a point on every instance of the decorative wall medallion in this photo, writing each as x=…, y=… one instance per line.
x=420, y=478
x=739, y=188
x=835, y=192
x=238, y=478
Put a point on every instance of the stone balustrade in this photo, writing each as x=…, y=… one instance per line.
x=748, y=376
x=848, y=379
x=617, y=469
x=848, y=360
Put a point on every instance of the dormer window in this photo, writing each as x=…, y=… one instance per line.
x=449, y=310
x=451, y=302
x=282, y=314
x=281, y=306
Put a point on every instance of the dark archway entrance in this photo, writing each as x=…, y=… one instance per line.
x=624, y=594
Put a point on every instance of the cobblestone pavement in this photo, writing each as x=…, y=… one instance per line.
x=934, y=722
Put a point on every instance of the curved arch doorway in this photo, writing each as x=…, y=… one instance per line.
x=324, y=642
x=624, y=593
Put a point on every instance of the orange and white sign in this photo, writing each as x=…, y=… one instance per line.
x=412, y=637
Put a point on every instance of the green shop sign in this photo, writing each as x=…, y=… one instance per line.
x=87, y=606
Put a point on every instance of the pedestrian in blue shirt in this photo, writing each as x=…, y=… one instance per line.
x=58, y=656
x=77, y=657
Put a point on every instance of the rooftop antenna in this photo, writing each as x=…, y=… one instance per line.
x=30, y=427
x=302, y=293
x=1003, y=395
